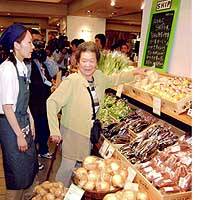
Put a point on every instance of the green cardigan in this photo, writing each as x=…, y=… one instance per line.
x=73, y=99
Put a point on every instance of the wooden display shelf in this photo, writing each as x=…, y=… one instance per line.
x=145, y=185
x=181, y=117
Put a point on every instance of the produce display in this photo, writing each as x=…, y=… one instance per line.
x=136, y=121
x=145, y=146
x=100, y=175
x=171, y=169
x=126, y=194
x=170, y=88
x=49, y=191
x=114, y=62
x=113, y=107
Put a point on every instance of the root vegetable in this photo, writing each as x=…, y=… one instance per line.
x=123, y=173
x=142, y=196
x=102, y=186
x=110, y=197
x=93, y=175
x=90, y=185
x=90, y=163
x=49, y=196
x=80, y=172
x=117, y=181
x=128, y=195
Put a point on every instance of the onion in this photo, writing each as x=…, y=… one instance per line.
x=114, y=166
x=93, y=175
x=119, y=194
x=142, y=196
x=117, y=181
x=105, y=177
x=110, y=197
x=90, y=185
x=128, y=195
x=82, y=181
x=80, y=172
x=102, y=186
x=90, y=163
x=101, y=164
x=123, y=173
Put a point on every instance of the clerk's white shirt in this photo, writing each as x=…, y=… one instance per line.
x=9, y=84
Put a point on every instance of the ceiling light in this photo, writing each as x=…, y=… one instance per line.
x=112, y=3
x=142, y=6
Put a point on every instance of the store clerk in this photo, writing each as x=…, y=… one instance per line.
x=16, y=131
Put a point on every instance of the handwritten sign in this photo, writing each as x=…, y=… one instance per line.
x=74, y=193
x=160, y=34
x=158, y=39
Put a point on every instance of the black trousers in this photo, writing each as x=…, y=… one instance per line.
x=41, y=132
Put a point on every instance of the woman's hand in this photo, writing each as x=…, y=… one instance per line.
x=21, y=142
x=55, y=138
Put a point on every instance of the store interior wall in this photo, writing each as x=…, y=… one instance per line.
x=180, y=62
x=84, y=27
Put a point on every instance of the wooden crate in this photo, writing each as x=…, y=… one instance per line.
x=178, y=107
x=155, y=194
x=145, y=185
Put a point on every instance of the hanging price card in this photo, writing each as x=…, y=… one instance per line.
x=109, y=152
x=104, y=148
x=156, y=105
x=119, y=90
x=131, y=174
x=189, y=112
x=74, y=193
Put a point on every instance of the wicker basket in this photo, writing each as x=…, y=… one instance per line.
x=94, y=195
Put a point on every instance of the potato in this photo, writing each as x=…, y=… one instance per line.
x=46, y=185
x=49, y=196
x=58, y=192
x=38, y=197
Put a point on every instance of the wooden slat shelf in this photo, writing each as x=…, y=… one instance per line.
x=180, y=117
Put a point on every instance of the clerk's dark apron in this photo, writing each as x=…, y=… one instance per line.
x=20, y=167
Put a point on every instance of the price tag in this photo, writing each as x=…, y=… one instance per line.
x=109, y=152
x=189, y=112
x=119, y=90
x=74, y=193
x=131, y=174
x=156, y=105
x=104, y=148
x=131, y=186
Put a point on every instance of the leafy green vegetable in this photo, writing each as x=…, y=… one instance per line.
x=113, y=62
x=113, y=109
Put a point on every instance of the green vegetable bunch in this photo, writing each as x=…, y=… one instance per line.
x=113, y=62
x=113, y=109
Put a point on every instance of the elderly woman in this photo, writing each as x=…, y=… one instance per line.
x=74, y=99
x=16, y=138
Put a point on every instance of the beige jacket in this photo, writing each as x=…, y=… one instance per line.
x=73, y=99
